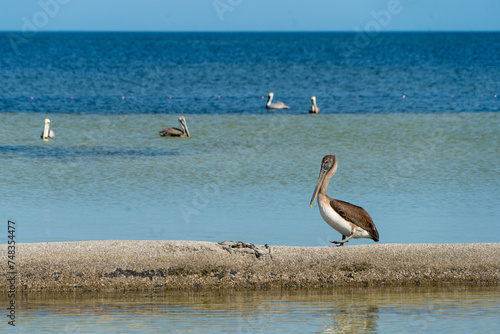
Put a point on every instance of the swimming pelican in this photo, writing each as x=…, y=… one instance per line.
x=348, y=219
x=174, y=132
x=47, y=133
x=314, y=107
x=275, y=105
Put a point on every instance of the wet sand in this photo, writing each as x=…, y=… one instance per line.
x=196, y=265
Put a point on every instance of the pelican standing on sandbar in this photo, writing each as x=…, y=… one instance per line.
x=314, y=107
x=275, y=105
x=349, y=220
x=174, y=132
x=47, y=132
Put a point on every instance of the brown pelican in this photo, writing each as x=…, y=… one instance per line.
x=314, y=107
x=275, y=105
x=174, y=132
x=47, y=133
x=348, y=219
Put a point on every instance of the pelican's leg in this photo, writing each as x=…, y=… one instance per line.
x=343, y=241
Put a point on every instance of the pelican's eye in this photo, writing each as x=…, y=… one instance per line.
x=327, y=165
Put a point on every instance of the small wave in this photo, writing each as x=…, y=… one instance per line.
x=75, y=152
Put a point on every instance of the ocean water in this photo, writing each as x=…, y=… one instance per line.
x=413, y=119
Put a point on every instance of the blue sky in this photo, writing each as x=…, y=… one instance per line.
x=250, y=15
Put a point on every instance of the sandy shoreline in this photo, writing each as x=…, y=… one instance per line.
x=196, y=265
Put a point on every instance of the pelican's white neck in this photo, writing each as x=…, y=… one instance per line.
x=46, y=130
x=270, y=99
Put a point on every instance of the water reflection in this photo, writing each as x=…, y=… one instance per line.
x=333, y=311
x=354, y=318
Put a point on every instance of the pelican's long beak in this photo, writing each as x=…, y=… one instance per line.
x=321, y=178
x=184, y=125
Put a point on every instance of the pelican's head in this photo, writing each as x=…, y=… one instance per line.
x=47, y=121
x=313, y=99
x=182, y=120
x=328, y=168
x=271, y=95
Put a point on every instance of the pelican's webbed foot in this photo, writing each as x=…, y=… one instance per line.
x=343, y=241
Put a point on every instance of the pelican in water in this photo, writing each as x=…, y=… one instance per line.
x=349, y=220
x=47, y=132
x=275, y=105
x=174, y=132
x=314, y=107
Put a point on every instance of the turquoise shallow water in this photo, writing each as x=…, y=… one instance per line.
x=424, y=178
x=421, y=310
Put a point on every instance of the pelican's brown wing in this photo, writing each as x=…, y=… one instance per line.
x=171, y=132
x=356, y=215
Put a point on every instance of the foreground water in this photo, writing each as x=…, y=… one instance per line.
x=429, y=310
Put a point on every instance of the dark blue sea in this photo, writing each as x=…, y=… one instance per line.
x=187, y=72
x=413, y=119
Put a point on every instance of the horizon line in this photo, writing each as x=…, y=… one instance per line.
x=252, y=31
